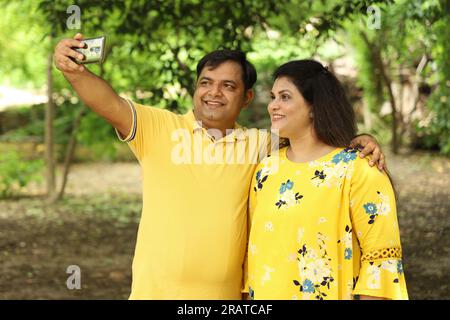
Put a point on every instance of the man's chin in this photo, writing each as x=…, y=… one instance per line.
x=213, y=114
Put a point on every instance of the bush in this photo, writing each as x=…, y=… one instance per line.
x=17, y=172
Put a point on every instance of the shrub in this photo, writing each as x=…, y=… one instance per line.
x=17, y=172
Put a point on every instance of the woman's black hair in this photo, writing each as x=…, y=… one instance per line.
x=333, y=116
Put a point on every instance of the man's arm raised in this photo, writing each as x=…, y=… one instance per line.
x=95, y=92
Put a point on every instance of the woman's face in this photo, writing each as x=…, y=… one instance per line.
x=289, y=112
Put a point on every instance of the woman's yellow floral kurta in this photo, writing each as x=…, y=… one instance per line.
x=326, y=229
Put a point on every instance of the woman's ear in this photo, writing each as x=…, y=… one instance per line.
x=249, y=95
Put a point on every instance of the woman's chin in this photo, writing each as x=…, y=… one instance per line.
x=276, y=129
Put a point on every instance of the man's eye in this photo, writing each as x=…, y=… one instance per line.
x=229, y=86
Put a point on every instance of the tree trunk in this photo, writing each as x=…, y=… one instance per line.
x=387, y=81
x=70, y=151
x=49, y=138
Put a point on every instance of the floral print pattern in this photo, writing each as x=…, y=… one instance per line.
x=345, y=155
x=332, y=173
x=287, y=196
x=383, y=207
x=375, y=270
x=261, y=177
x=315, y=270
x=324, y=202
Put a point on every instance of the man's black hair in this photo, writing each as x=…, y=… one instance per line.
x=217, y=57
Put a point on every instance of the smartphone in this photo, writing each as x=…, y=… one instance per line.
x=93, y=50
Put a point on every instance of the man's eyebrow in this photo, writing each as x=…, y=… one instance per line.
x=204, y=78
x=230, y=81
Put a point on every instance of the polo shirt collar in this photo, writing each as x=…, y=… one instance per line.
x=195, y=125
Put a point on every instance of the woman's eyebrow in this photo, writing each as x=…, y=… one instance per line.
x=281, y=91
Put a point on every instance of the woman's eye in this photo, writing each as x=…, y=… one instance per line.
x=285, y=97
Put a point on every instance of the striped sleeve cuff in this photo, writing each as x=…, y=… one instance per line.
x=132, y=133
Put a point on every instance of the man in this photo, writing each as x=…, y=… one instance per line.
x=192, y=234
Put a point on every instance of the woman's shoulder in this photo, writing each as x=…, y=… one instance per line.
x=363, y=171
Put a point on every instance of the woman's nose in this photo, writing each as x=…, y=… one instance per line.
x=273, y=106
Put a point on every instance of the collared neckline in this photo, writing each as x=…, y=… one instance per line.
x=195, y=126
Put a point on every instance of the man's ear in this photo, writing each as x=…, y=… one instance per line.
x=249, y=95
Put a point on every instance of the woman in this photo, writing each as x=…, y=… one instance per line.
x=323, y=223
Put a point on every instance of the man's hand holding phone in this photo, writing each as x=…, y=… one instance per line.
x=65, y=52
x=70, y=54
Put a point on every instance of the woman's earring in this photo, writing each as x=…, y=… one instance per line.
x=311, y=115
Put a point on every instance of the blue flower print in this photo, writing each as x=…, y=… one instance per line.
x=260, y=180
x=345, y=155
x=348, y=254
x=337, y=158
x=308, y=286
x=289, y=184
x=349, y=157
x=258, y=175
x=251, y=293
x=399, y=267
x=370, y=208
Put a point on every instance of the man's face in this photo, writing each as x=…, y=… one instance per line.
x=220, y=95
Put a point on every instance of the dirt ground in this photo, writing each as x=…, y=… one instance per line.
x=95, y=229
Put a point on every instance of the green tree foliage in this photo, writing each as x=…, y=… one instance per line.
x=17, y=172
x=153, y=48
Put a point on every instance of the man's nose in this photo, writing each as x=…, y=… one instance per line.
x=216, y=90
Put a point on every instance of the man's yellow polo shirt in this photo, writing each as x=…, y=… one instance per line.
x=192, y=235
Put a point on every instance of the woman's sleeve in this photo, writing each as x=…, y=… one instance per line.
x=374, y=219
x=250, y=209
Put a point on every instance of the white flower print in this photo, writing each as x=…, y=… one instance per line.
x=373, y=280
x=311, y=254
x=300, y=233
x=389, y=265
x=267, y=274
x=329, y=174
x=384, y=206
x=289, y=198
x=252, y=248
x=317, y=270
x=268, y=226
x=291, y=257
x=347, y=240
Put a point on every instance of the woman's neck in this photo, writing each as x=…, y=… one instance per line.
x=307, y=147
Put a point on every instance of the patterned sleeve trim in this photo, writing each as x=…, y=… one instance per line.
x=132, y=133
x=385, y=253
